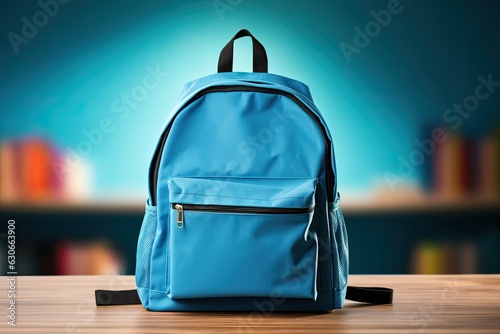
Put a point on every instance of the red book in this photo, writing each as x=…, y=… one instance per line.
x=62, y=258
x=35, y=169
x=487, y=172
x=467, y=171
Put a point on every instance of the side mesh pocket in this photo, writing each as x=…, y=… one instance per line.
x=144, y=246
x=340, y=252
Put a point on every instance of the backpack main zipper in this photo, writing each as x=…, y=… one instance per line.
x=233, y=209
x=330, y=177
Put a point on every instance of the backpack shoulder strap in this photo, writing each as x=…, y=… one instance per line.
x=118, y=297
x=371, y=295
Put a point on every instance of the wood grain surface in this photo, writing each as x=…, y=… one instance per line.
x=422, y=304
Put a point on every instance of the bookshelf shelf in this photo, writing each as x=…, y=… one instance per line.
x=384, y=231
x=421, y=205
x=365, y=206
x=73, y=207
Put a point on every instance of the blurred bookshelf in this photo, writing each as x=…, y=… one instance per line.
x=439, y=238
x=450, y=224
x=59, y=229
x=425, y=203
x=410, y=237
x=79, y=239
x=446, y=225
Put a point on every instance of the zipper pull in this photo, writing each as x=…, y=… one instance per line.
x=180, y=216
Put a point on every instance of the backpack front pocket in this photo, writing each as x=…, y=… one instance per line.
x=231, y=237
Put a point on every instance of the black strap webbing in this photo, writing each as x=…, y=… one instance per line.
x=121, y=297
x=371, y=295
x=259, y=54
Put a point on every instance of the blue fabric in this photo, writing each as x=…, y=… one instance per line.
x=243, y=149
x=260, y=192
x=242, y=254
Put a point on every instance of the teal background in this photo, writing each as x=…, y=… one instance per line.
x=64, y=80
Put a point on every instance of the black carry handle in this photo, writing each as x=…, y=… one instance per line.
x=259, y=54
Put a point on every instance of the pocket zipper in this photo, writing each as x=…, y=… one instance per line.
x=233, y=209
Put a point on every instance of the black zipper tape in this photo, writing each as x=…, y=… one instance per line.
x=241, y=209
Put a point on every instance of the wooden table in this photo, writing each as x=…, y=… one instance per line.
x=422, y=304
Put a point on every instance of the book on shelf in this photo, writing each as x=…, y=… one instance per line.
x=27, y=173
x=432, y=257
x=36, y=181
x=426, y=259
x=86, y=258
x=488, y=161
x=9, y=172
x=468, y=172
x=446, y=167
x=463, y=167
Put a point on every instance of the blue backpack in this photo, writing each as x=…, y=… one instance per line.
x=243, y=211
